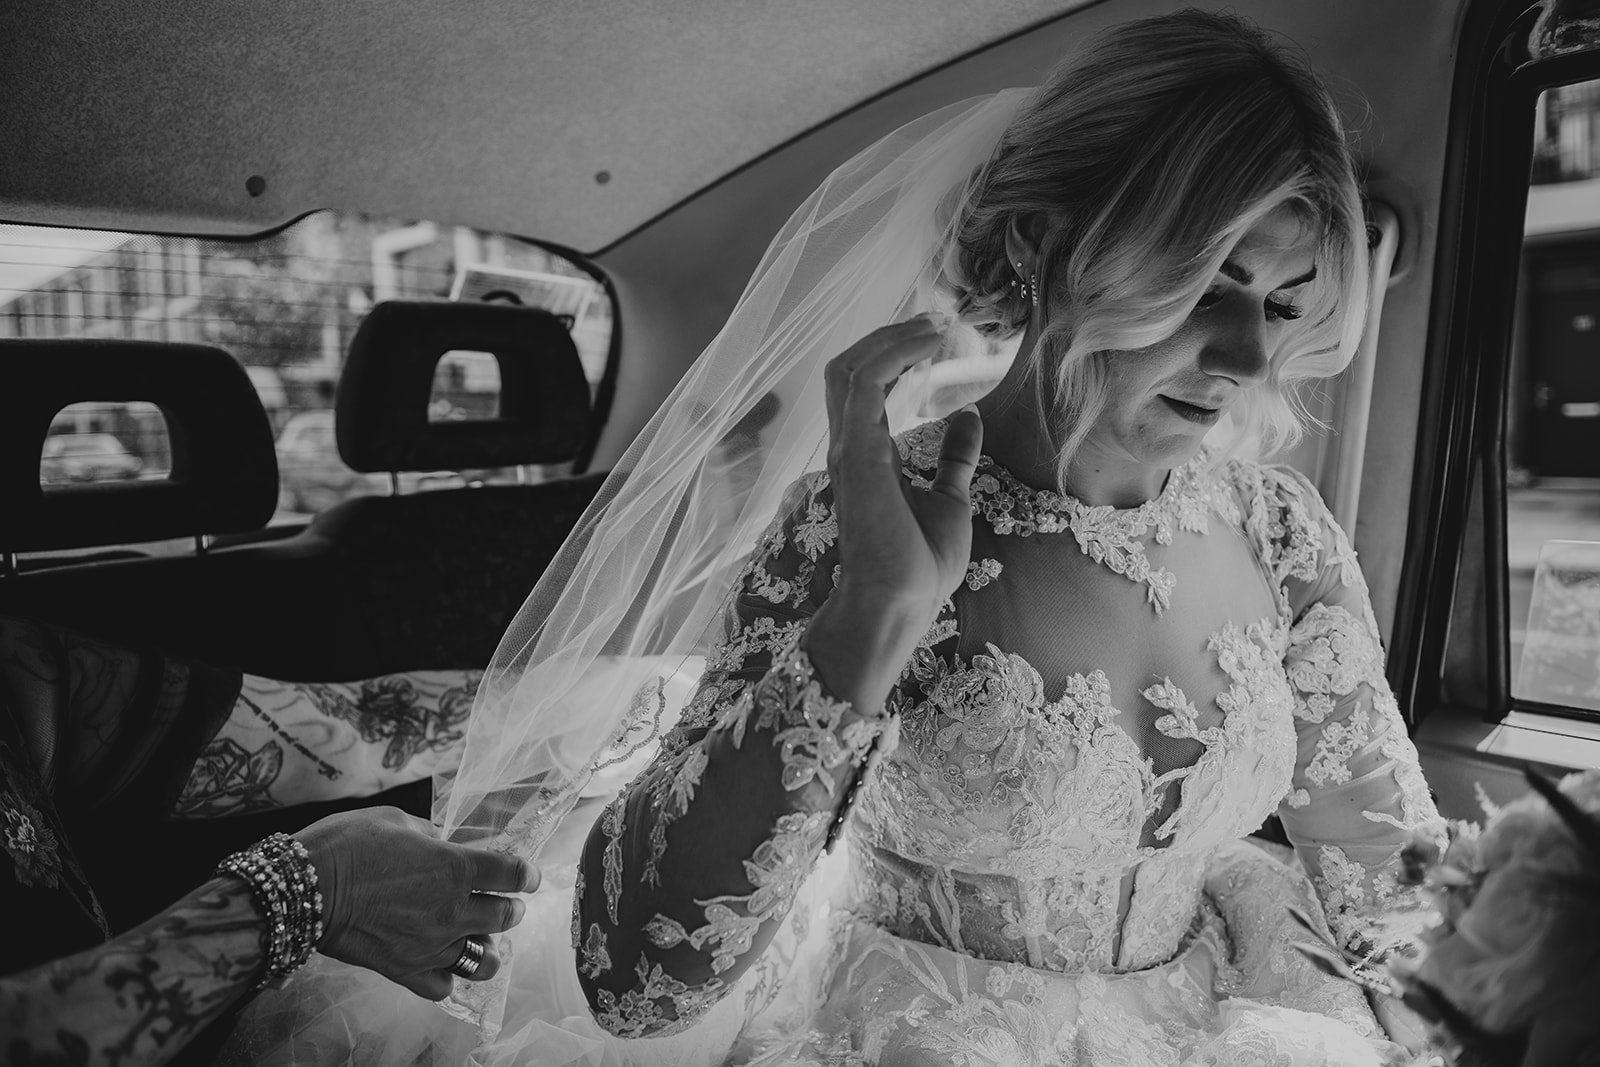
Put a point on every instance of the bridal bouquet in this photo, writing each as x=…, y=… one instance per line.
x=1508, y=973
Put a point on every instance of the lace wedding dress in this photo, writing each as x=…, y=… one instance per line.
x=1043, y=863
x=1046, y=865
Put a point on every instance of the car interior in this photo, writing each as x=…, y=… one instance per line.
x=483, y=242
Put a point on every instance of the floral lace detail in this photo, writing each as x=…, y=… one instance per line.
x=1255, y=742
x=1416, y=802
x=1342, y=554
x=1337, y=742
x=818, y=734
x=1279, y=520
x=29, y=842
x=943, y=629
x=1333, y=653
x=774, y=590
x=1111, y=537
x=1351, y=897
x=781, y=863
x=595, y=958
x=729, y=935
x=576, y=932
x=982, y=745
x=658, y=1004
x=611, y=825
x=980, y=572
x=766, y=634
x=671, y=792
x=821, y=526
x=776, y=870
x=1351, y=729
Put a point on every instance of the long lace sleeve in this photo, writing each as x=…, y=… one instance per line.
x=1358, y=794
x=689, y=872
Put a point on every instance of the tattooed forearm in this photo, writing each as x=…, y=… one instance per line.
x=324, y=768
x=228, y=780
x=289, y=743
x=403, y=716
x=140, y=998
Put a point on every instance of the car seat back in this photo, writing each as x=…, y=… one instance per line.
x=431, y=579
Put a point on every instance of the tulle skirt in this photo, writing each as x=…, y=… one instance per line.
x=835, y=990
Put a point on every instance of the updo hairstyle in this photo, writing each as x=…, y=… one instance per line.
x=1141, y=161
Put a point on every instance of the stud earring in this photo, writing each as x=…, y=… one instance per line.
x=1026, y=285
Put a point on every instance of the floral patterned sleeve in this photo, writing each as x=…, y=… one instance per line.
x=690, y=871
x=1358, y=794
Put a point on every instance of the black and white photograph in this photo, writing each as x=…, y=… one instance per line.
x=840, y=533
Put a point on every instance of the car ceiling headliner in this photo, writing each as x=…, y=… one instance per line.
x=153, y=114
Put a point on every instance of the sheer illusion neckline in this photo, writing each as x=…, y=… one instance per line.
x=1109, y=535
x=1053, y=512
x=1007, y=501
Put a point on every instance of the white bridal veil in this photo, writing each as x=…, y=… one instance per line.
x=579, y=688
x=576, y=685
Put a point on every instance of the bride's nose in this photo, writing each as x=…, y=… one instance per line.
x=1236, y=349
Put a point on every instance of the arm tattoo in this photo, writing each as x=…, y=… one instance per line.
x=230, y=780
x=139, y=998
x=291, y=742
x=389, y=710
x=324, y=768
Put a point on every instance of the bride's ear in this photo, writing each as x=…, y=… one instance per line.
x=1024, y=235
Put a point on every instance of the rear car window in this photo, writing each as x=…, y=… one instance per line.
x=286, y=306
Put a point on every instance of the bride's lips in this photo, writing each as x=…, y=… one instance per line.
x=1205, y=416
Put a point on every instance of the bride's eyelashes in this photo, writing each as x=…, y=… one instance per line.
x=1277, y=310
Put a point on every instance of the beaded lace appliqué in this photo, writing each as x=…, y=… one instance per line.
x=1053, y=802
x=1110, y=536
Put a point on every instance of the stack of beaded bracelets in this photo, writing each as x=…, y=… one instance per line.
x=279, y=873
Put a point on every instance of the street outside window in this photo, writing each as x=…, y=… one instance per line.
x=1553, y=413
x=286, y=306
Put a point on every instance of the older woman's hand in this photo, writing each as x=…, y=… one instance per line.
x=400, y=901
x=902, y=549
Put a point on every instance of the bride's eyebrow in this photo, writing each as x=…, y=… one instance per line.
x=1244, y=277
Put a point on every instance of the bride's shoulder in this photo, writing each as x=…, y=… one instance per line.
x=1272, y=486
x=1282, y=511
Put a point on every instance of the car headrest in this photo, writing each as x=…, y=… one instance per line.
x=381, y=420
x=224, y=476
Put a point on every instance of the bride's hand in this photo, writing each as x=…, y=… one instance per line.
x=902, y=549
x=905, y=547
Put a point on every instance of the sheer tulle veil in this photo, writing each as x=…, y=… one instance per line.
x=577, y=685
x=586, y=676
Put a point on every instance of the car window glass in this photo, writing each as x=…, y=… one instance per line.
x=466, y=387
x=1553, y=413
x=105, y=441
x=286, y=306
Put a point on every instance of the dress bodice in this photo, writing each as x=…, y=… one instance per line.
x=1058, y=782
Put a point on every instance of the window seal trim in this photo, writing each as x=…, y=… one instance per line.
x=606, y=390
x=1462, y=422
x=1521, y=738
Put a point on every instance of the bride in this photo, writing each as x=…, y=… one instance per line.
x=989, y=707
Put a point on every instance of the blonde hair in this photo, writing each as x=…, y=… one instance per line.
x=1148, y=156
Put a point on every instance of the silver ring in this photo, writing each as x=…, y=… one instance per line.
x=471, y=958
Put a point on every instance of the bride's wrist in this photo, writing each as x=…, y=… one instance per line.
x=859, y=649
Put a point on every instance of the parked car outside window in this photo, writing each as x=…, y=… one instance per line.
x=86, y=457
